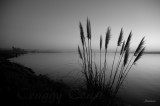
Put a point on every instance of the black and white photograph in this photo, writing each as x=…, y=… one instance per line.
x=80, y=52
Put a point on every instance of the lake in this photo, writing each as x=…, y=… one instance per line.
x=141, y=87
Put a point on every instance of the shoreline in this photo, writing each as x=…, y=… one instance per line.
x=20, y=85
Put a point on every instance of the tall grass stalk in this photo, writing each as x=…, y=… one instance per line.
x=118, y=44
x=100, y=49
x=108, y=37
x=120, y=57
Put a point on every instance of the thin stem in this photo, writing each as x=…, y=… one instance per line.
x=91, y=52
x=129, y=63
x=125, y=75
x=119, y=60
x=113, y=65
x=105, y=58
x=88, y=57
x=121, y=66
x=100, y=59
x=120, y=75
x=84, y=56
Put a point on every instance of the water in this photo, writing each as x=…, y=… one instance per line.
x=142, y=86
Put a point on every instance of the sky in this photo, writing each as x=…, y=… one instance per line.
x=54, y=24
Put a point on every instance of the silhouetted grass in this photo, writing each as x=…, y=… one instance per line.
x=97, y=85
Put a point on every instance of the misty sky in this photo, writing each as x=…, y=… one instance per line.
x=54, y=24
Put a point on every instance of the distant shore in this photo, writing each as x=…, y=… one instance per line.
x=15, y=52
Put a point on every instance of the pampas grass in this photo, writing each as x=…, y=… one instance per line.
x=107, y=39
x=98, y=83
x=118, y=44
x=100, y=49
x=140, y=46
x=128, y=41
x=79, y=52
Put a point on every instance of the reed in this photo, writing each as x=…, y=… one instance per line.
x=118, y=44
x=140, y=46
x=98, y=83
x=100, y=49
x=107, y=39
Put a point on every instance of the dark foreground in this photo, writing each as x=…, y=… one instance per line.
x=21, y=86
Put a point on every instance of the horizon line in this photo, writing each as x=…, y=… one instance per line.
x=73, y=50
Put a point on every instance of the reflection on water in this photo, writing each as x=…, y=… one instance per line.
x=141, y=87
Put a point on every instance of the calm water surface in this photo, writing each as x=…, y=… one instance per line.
x=142, y=86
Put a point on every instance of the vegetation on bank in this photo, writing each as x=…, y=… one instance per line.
x=10, y=53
